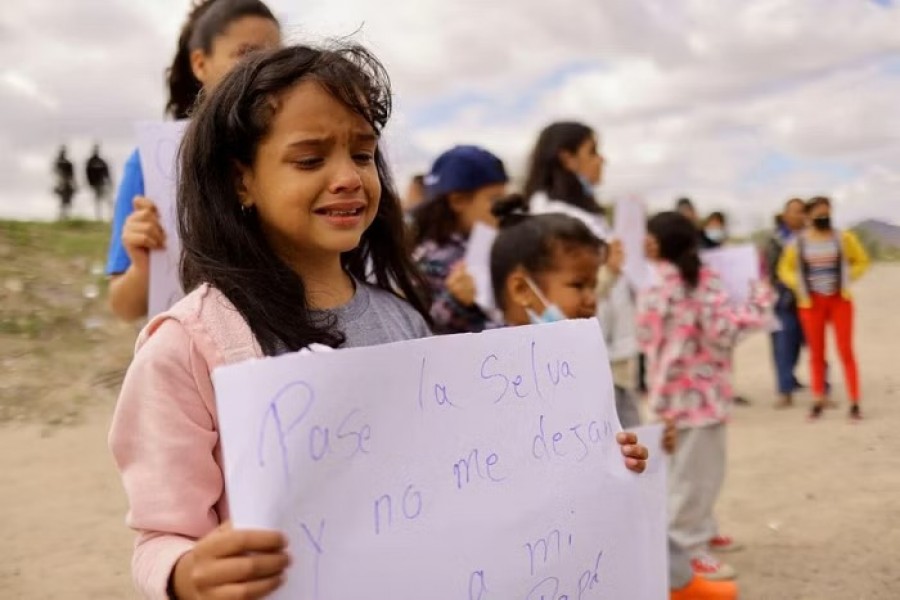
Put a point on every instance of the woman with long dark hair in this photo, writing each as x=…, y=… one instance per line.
x=566, y=165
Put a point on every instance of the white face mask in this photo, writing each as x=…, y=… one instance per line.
x=552, y=313
x=716, y=235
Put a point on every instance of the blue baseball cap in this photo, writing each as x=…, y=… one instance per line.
x=464, y=169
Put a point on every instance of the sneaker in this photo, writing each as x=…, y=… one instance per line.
x=711, y=569
x=724, y=544
x=703, y=589
x=784, y=401
x=855, y=413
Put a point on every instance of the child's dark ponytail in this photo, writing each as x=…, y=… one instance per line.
x=689, y=266
x=207, y=19
x=678, y=241
x=511, y=210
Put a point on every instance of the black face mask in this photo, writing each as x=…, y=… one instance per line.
x=822, y=223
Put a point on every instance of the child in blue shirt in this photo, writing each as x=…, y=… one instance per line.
x=216, y=35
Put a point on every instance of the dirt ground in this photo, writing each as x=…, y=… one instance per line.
x=817, y=505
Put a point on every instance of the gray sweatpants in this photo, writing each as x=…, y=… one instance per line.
x=627, y=408
x=681, y=573
x=696, y=474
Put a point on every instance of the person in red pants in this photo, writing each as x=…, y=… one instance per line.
x=818, y=266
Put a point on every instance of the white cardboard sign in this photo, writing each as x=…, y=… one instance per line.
x=631, y=228
x=470, y=467
x=158, y=145
x=738, y=266
x=478, y=263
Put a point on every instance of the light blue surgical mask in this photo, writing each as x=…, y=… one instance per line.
x=552, y=312
x=586, y=185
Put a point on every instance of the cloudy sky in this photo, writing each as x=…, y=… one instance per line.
x=738, y=103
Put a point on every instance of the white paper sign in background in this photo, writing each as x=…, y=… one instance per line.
x=738, y=266
x=470, y=467
x=478, y=263
x=631, y=228
x=158, y=144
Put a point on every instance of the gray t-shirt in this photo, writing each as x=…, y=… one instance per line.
x=374, y=316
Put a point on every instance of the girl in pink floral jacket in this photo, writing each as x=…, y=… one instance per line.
x=688, y=328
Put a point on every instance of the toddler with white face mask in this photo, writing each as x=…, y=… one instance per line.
x=544, y=267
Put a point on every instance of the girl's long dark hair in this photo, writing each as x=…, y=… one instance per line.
x=678, y=244
x=434, y=219
x=226, y=248
x=207, y=20
x=547, y=174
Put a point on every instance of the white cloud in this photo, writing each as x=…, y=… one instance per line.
x=738, y=104
x=874, y=192
x=17, y=83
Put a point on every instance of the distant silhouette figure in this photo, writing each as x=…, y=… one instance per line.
x=97, y=175
x=65, y=183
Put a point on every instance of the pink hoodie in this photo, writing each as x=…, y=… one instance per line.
x=164, y=435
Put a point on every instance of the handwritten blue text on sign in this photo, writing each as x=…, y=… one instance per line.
x=473, y=467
